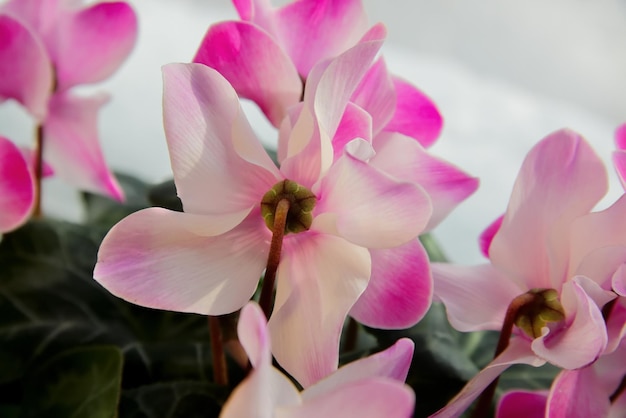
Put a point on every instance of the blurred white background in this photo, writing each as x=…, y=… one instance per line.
x=504, y=75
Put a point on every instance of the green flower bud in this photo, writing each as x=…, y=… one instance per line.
x=301, y=204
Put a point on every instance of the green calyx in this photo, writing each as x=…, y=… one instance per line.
x=301, y=204
x=545, y=307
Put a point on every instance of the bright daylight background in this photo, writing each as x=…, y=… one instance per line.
x=504, y=75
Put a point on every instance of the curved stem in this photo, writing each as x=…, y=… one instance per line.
x=484, y=402
x=38, y=170
x=220, y=371
x=278, y=233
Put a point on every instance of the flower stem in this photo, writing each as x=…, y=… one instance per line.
x=278, y=232
x=38, y=170
x=220, y=371
x=484, y=402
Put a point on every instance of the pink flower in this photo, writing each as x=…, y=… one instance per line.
x=270, y=51
x=619, y=156
x=550, y=248
x=49, y=46
x=209, y=259
x=370, y=387
x=16, y=187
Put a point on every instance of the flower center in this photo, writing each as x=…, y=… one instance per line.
x=301, y=204
x=543, y=307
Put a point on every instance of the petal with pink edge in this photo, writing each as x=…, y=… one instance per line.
x=367, y=398
x=415, y=115
x=618, y=280
x=369, y=208
x=219, y=165
x=577, y=394
x=16, y=187
x=400, y=290
x=376, y=94
x=355, y=123
x=72, y=146
x=484, y=241
x=25, y=68
x=392, y=363
x=319, y=279
x=312, y=31
x=253, y=335
x=522, y=404
x=150, y=259
x=254, y=64
x=518, y=352
x=476, y=297
x=583, y=338
x=620, y=137
x=619, y=161
x=406, y=160
x=561, y=179
x=30, y=157
x=91, y=43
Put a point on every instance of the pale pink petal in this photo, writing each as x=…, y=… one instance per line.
x=561, y=178
x=319, y=279
x=601, y=265
x=355, y=123
x=476, y=297
x=219, y=165
x=618, y=281
x=616, y=326
x=484, y=241
x=25, y=68
x=91, y=43
x=518, y=352
x=522, y=404
x=415, y=115
x=253, y=335
x=583, y=338
x=16, y=187
x=369, y=208
x=392, y=363
x=151, y=259
x=40, y=15
x=254, y=64
x=376, y=94
x=72, y=146
x=312, y=31
x=400, y=290
x=30, y=156
x=407, y=160
x=367, y=398
x=619, y=161
x=618, y=407
x=577, y=394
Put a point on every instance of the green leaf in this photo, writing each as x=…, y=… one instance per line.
x=164, y=195
x=77, y=383
x=435, y=252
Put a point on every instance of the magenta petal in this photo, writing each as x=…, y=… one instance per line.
x=577, y=394
x=151, y=258
x=355, y=123
x=16, y=187
x=254, y=64
x=484, y=241
x=522, y=404
x=25, y=68
x=518, y=352
x=415, y=115
x=476, y=297
x=376, y=94
x=400, y=290
x=561, y=179
x=319, y=279
x=91, y=43
x=407, y=160
x=30, y=157
x=219, y=165
x=72, y=145
x=583, y=338
x=620, y=137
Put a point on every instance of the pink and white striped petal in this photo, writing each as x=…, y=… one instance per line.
x=355, y=123
x=16, y=187
x=319, y=279
x=415, y=115
x=219, y=165
x=406, y=160
x=376, y=95
x=476, y=297
x=561, y=179
x=522, y=404
x=72, y=146
x=400, y=290
x=151, y=259
x=25, y=68
x=254, y=64
x=577, y=394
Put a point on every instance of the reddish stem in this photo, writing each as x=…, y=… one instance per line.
x=38, y=171
x=220, y=371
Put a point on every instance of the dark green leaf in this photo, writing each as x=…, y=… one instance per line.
x=164, y=195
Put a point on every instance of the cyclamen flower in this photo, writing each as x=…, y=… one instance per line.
x=209, y=259
x=270, y=51
x=547, y=249
x=50, y=46
x=619, y=156
x=16, y=187
x=369, y=387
